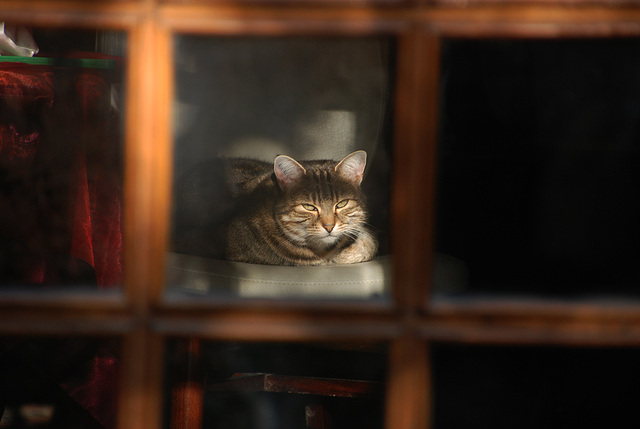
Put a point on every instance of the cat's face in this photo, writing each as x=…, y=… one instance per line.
x=321, y=204
x=320, y=222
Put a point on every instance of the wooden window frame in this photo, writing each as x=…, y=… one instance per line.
x=143, y=319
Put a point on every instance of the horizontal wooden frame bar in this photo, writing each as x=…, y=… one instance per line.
x=550, y=21
x=508, y=19
x=614, y=308
x=117, y=15
x=101, y=323
x=533, y=321
x=535, y=333
x=298, y=3
x=276, y=327
x=51, y=298
x=261, y=20
x=533, y=21
x=198, y=304
x=59, y=311
x=569, y=3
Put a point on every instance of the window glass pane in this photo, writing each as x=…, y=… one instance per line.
x=60, y=157
x=538, y=185
x=58, y=383
x=283, y=386
x=243, y=216
x=533, y=387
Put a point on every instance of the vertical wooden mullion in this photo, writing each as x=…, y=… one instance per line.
x=140, y=402
x=427, y=151
x=146, y=196
x=148, y=161
x=414, y=167
x=408, y=401
x=409, y=386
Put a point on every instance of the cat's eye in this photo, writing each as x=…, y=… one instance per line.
x=310, y=207
x=341, y=204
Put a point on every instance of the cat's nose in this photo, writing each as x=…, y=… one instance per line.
x=329, y=227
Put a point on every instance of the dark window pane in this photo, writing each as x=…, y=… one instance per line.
x=533, y=387
x=257, y=98
x=260, y=385
x=60, y=160
x=539, y=147
x=58, y=383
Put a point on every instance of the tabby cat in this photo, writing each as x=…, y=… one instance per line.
x=281, y=213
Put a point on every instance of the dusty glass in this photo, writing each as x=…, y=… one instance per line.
x=240, y=104
x=61, y=158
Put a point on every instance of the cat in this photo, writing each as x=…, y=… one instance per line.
x=281, y=213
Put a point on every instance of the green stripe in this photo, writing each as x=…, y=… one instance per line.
x=61, y=62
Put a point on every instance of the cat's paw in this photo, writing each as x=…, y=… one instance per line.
x=362, y=250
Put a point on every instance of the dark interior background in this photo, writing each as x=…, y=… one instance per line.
x=534, y=387
x=538, y=170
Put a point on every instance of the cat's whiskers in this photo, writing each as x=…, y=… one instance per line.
x=352, y=231
x=307, y=214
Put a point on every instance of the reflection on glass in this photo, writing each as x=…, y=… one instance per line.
x=60, y=158
x=248, y=221
x=58, y=383
x=283, y=386
x=533, y=387
x=539, y=148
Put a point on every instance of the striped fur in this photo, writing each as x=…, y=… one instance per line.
x=293, y=213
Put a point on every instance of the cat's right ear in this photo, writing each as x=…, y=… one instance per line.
x=288, y=171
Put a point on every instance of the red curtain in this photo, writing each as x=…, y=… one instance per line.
x=60, y=164
x=61, y=196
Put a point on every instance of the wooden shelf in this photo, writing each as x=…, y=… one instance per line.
x=296, y=385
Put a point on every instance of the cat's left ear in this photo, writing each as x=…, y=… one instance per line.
x=352, y=166
x=287, y=171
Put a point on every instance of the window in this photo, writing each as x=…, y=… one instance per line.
x=446, y=91
x=311, y=98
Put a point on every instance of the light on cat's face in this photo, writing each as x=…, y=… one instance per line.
x=326, y=217
x=324, y=224
x=320, y=203
x=312, y=208
x=321, y=223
